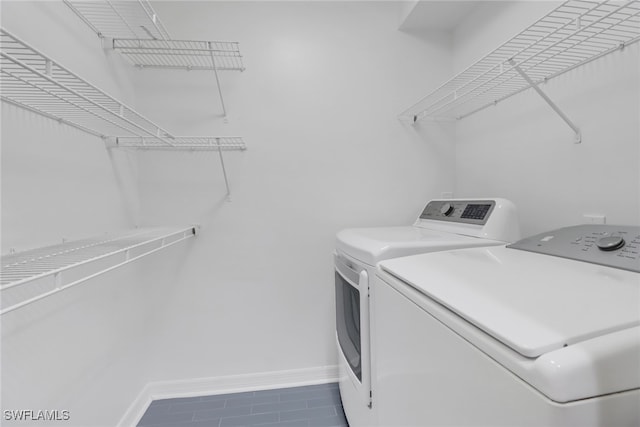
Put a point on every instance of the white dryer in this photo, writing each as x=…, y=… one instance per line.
x=443, y=225
x=545, y=332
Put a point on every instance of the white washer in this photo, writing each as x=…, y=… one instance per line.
x=545, y=332
x=443, y=225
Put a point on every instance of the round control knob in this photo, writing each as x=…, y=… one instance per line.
x=610, y=243
x=447, y=209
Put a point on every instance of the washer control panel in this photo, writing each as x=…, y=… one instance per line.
x=465, y=211
x=611, y=245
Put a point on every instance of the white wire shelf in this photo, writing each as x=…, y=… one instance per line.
x=133, y=19
x=571, y=35
x=133, y=29
x=181, y=54
x=34, y=81
x=194, y=143
x=31, y=80
x=30, y=276
x=197, y=143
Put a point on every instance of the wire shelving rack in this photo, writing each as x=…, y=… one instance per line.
x=133, y=29
x=34, y=81
x=198, y=143
x=31, y=80
x=573, y=34
x=133, y=19
x=181, y=54
x=29, y=276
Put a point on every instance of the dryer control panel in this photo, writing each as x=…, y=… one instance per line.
x=610, y=245
x=465, y=211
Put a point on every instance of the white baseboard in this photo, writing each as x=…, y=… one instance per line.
x=222, y=385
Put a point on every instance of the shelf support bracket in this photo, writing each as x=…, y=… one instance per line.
x=536, y=87
x=224, y=170
x=215, y=72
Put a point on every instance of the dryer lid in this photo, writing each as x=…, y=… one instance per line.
x=371, y=245
x=532, y=303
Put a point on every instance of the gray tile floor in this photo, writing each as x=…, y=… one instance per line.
x=309, y=406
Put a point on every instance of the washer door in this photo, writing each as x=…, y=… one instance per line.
x=348, y=325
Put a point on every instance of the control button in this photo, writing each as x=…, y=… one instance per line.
x=610, y=243
x=446, y=209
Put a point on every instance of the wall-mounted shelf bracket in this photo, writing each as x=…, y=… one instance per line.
x=224, y=170
x=536, y=87
x=215, y=72
x=195, y=143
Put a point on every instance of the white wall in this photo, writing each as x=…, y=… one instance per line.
x=317, y=107
x=60, y=181
x=253, y=292
x=82, y=350
x=522, y=150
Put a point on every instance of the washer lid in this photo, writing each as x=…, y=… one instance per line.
x=371, y=245
x=531, y=302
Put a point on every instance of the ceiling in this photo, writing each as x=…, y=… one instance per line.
x=437, y=15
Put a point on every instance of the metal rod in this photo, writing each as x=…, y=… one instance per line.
x=215, y=72
x=544, y=96
x=224, y=170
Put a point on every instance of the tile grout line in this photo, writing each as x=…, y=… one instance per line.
x=327, y=406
